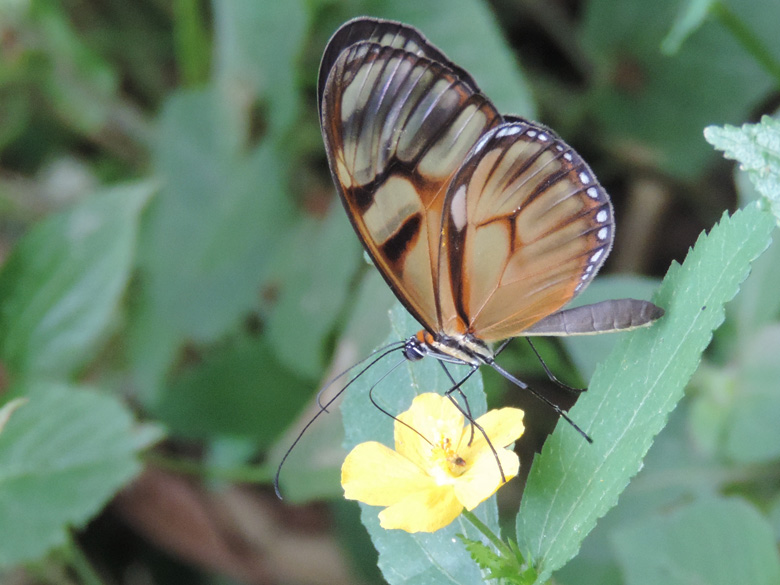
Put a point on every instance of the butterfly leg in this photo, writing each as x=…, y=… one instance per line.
x=467, y=413
x=550, y=375
x=558, y=410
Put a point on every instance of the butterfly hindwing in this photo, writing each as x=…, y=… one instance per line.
x=397, y=126
x=527, y=228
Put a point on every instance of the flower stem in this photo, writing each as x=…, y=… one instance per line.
x=482, y=527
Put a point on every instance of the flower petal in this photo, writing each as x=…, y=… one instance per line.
x=430, y=417
x=424, y=511
x=483, y=477
x=503, y=426
x=377, y=475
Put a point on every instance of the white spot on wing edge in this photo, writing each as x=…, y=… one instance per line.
x=508, y=131
x=458, y=208
x=602, y=233
x=567, y=156
x=596, y=255
x=601, y=216
x=584, y=178
x=592, y=192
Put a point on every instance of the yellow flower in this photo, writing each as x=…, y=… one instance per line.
x=434, y=472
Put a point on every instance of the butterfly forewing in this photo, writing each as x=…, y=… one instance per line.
x=528, y=227
x=397, y=127
x=483, y=225
x=385, y=33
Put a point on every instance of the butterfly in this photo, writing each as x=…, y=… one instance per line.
x=484, y=225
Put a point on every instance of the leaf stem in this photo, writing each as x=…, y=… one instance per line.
x=747, y=38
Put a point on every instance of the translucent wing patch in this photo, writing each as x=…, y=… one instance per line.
x=527, y=228
x=397, y=127
x=386, y=33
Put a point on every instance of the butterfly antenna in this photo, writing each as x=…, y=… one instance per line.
x=385, y=351
x=387, y=412
x=558, y=410
x=550, y=375
x=390, y=347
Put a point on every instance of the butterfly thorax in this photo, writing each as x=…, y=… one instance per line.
x=457, y=349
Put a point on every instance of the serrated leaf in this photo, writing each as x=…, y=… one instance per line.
x=757, y=149
x=61, y=286
x=412, y=558
x=63, y=454
x=508, y=567
x=718, y=542
x=572, y=483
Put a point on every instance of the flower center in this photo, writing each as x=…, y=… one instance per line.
x=447, y=464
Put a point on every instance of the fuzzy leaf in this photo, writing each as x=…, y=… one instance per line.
x=757, y=149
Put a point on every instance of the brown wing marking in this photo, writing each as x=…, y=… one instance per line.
x=527, y=229
x=386, y=33
x=397, y=126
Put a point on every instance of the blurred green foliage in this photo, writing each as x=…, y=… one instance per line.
x=175, y=263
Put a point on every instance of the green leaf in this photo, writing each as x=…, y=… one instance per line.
x=412, y=558
x=651, y=107
x=467, y=32
x=316, y=267
x=758, y=303
x=77, y=75
x=689, y=19
x=509, y=567
x=573, y=483
x=8, y=409
x=752, y=434
x=257, y=46
x=757, y=149
x=240, y=390
x=61, y=286
x=63, y=454
x=210, y=235
x=718, y=542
